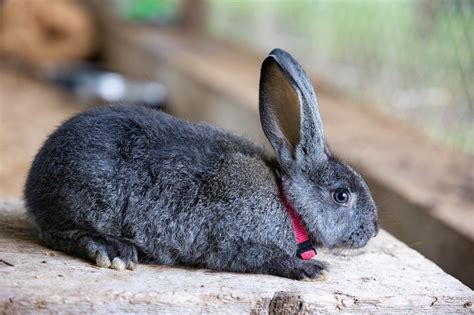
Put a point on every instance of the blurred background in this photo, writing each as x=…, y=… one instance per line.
x=394, y=80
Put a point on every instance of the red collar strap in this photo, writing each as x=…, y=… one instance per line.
x=305, y=249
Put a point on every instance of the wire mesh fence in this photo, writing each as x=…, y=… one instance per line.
x=414, y=59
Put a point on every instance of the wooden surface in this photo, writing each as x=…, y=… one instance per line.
x=386, y=276
x=425, y=191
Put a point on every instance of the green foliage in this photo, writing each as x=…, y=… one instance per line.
x=163, y=10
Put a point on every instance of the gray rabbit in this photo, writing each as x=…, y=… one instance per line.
x=120, y=184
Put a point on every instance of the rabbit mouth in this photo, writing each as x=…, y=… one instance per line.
x=355, y=240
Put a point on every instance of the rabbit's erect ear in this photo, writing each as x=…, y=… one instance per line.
x=289, y=111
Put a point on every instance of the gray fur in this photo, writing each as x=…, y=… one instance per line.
x=133, y=183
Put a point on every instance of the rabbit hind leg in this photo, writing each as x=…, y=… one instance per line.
x=104, y=251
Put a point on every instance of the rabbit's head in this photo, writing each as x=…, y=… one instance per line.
x=333, y=200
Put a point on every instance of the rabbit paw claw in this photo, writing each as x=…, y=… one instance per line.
x=111, y=253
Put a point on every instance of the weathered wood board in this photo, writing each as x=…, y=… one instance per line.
x=386, y=276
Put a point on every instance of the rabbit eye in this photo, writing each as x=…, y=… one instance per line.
x=341, y=196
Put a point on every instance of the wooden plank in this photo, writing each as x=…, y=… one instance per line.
x=425, y=191
x=386, y=276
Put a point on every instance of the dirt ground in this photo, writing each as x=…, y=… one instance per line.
x=29, y=111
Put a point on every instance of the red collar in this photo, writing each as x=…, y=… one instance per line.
x=305, y=249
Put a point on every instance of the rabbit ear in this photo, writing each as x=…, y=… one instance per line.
x=289, y=111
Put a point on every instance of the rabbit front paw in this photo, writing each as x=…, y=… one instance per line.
x=297, y=269
x=309, y=269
